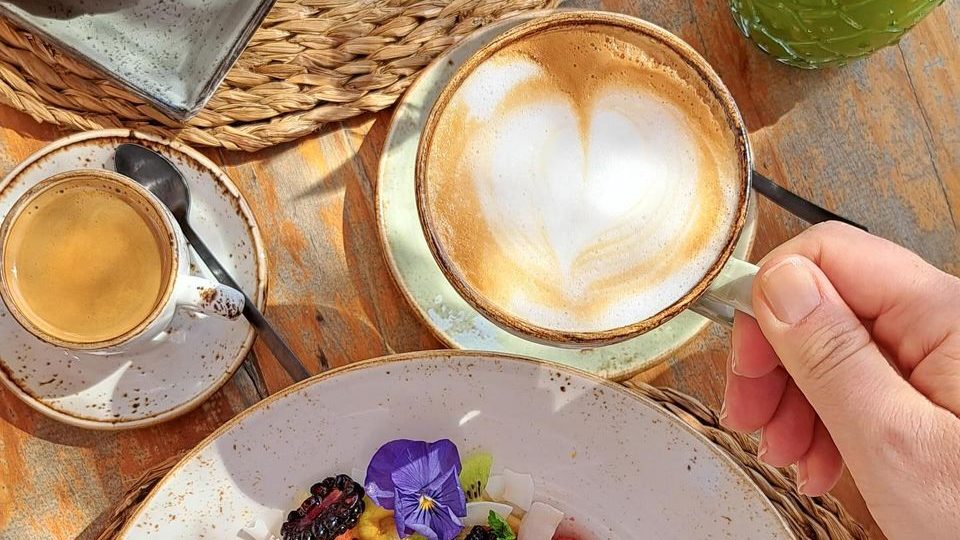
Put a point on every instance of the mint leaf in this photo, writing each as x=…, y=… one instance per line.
x=500, y=527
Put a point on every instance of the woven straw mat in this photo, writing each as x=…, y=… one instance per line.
x=311, y=62
x=820, y=518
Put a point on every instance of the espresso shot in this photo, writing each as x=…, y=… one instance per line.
x=86, y=261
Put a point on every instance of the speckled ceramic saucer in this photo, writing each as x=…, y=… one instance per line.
x=615, y=462
x=130, y=391
x=445, y=312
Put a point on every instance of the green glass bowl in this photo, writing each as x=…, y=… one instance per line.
x=818, y=33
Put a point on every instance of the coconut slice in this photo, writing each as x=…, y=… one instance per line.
x=495, y=487
x=517, y=489
x=479, y=512
x=540, y=523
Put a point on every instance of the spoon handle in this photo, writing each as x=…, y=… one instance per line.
x=284, y=355
x=795, y=204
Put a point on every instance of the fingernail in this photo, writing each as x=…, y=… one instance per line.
x=733, y=363
x=801, y=477
x=762, y=447
x=790, y=290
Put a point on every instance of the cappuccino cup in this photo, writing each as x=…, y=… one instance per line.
x=584, y=178
x=92, y=261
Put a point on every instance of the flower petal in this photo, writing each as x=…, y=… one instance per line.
x=407, y=505
x=379, y=483
x=411, y=517
x=425, y=530
x=447, y=491
x=446, y=455
x=450, y=523
x=409, y=513
x=412, y=476
x=443, y=524
x=402, y=472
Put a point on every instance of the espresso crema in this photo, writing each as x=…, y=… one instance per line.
x=87, y=261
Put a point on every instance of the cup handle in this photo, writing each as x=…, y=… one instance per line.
x=730, y=291
x=205, y=296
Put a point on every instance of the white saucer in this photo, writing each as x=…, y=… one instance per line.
x=131, y=391
x=435, y=300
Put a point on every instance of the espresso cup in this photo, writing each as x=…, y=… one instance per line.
x=584, y=178
x=94, y=262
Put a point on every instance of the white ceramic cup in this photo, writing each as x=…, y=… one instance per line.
x=182, y=290
x=727, y=285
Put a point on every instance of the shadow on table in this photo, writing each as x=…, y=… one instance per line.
x=315, y=319
x=332, y=180
x=379, y=295
x=103, y=471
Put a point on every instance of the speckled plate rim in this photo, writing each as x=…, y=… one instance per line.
x=261, y=293
x=444, y=356
x=411, y=98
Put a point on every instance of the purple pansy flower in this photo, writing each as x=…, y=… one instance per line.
x=420, y=482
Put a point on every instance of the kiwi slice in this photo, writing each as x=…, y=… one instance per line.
x=474, y=474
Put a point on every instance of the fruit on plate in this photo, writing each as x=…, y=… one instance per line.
x=540, y=523
x=478, y=512
x=479, y=532
x=518, y=489
x=474, y=475
x=376, y=523
x=419, y=489
x=495, y=487
x=333, y=508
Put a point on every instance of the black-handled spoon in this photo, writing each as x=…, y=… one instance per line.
x=156, y=173
x=795, y=204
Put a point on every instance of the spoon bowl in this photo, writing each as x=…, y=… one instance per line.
x=156, y=173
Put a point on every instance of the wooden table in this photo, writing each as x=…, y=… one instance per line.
x=878, y=141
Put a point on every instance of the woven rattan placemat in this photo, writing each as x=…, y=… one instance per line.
x=312, y=62
x=821, y=518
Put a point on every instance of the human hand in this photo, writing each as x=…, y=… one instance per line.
x=855, y=352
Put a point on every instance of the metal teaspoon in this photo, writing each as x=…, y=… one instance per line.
x=161, y=177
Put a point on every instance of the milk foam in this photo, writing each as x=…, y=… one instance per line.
x=580, y=210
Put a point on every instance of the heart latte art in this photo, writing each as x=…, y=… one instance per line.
x=582, y=180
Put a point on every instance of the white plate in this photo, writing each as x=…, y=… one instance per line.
x=128, y=391
x=620, y=465
x=422, y=282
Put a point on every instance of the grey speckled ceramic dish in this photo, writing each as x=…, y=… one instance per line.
x=172, y=53
x=619, y=464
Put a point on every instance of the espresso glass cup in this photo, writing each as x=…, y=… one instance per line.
x=178, y=288
x=726, y=284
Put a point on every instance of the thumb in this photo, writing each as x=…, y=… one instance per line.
x=830, y=354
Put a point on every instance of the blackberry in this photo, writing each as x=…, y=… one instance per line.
x=333, y=508
x=480, y=532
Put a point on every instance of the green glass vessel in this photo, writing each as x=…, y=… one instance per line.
x=818, y=33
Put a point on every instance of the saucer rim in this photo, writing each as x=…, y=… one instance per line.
x=257, y=250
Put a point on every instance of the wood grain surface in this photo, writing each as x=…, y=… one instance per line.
x=878, y=141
